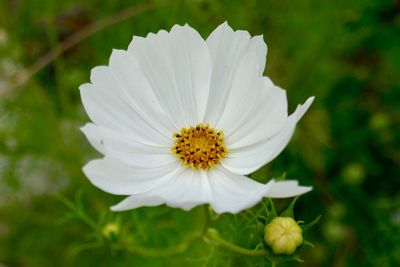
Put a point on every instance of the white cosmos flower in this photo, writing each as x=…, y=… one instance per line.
x=181, y=120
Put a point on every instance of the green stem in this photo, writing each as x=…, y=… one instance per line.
x=213, y=235
x=175, y=249
x=205, y=232
x=161, y=252
x=206, y=219
x=79, y=213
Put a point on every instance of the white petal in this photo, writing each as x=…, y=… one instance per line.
x=115, y=177
x=234, y=193
x=109, y=107
x=248, y=159
x=137, y=201
x=265, y=118
x=284, y=189
x=246, y=89
x=135, y=88
x=225, y=192
x=178, y=67
x=259, y=47
x=227, y=49
x=126, y=149
x=185, y=190
x=190, y=189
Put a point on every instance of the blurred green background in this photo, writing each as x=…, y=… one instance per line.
x=346, y=53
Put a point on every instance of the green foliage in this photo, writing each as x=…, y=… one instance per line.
x=346, y=53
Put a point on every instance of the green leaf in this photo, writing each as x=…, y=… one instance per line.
x=307, y=226
x=297, y=258
x=308, y=243
x=288, y=212
x=282, y=177
x=261, y=219
x=272, y=211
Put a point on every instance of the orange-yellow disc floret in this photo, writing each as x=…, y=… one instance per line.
x=200, y=147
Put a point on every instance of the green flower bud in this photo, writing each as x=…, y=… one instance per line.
x=110, y=230
x=283, y=235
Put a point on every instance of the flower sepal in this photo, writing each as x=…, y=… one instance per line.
x=282, y=235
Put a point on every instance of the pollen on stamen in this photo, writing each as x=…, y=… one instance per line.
x=200, y=146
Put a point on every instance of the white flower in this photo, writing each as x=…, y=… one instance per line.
x=180, y=120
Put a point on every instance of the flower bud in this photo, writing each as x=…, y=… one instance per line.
x=283, y=235
x=110, y=230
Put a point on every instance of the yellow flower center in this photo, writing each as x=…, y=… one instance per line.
x=199, y=147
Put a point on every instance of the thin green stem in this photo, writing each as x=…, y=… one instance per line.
x=202, y=230
x=79, y=213
x=161, y=252
x=175, y=249
x=206, y=219
x=213, y=235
